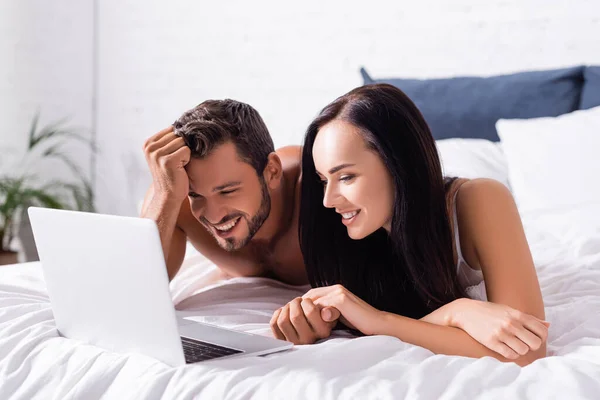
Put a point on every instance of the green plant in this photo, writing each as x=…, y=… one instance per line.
x=18, y=191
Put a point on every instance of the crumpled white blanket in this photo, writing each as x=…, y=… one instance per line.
x=35, y=363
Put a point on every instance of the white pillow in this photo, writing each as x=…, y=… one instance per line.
x=553, y=162
x=473, y=158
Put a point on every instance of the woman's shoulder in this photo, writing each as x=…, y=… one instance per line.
x=477, y=200
x=475, y=191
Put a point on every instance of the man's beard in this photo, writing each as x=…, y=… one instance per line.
x=254, y=223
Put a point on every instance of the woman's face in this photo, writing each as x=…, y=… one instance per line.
x=356, y=182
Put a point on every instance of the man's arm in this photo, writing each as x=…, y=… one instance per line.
x=165, y=213
x=167, y=155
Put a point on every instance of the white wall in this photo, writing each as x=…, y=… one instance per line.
x=157, y=59
x=46, y=65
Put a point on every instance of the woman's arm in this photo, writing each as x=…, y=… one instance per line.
x=440, y=339
x=496, y=326
x=492, y=227
x=490, y=222
x=358, y=314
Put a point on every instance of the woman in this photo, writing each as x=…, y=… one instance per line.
x=397, y=249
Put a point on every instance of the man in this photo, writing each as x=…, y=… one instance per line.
x=219, y=183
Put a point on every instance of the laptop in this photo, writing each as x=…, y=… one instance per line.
x=108, y=286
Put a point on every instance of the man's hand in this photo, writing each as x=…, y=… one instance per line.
x=302, y=322
x=167, y=155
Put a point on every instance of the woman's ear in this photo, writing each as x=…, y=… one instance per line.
x=273, y=172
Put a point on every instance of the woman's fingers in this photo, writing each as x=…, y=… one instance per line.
x=316, y=293
x=529, y=338
x=516, y=344
x=530, y=329
x=539, y=328
x=504, y=350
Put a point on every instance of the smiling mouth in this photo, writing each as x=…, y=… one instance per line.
x=350, y=215
x=226, y=227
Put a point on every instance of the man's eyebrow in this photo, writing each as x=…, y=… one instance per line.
x=226, y=185
x=339, y=167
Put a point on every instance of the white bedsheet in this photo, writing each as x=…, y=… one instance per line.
x=36, y=363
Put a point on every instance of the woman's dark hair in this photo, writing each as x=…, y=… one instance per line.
x=411, y=270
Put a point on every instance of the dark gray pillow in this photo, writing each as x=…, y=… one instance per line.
x=468, y=107
x=590, y=96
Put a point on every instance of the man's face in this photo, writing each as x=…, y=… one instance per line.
x=227, y=196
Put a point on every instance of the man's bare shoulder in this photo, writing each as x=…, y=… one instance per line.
x=290, y=156
x=292, y=150
x=291, y=162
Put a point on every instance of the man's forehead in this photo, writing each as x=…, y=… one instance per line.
x=215, y=177
x=208, y=174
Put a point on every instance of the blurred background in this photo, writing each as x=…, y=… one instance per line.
x=102, y=76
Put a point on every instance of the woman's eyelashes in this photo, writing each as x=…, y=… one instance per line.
x=346, y=178
x=343, y=178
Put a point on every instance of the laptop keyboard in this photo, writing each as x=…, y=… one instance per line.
x=196, y=350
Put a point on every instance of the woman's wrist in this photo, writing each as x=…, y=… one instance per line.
x=454, y=312
x=451, y=316
x=381, y=325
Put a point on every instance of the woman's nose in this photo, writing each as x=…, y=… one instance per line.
x=329, y=197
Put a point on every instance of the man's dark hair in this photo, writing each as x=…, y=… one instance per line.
x=215, y=122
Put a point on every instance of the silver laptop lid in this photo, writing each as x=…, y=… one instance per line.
x=107, y=281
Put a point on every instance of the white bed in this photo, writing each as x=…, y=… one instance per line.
x=36, y=363
x=565, y=241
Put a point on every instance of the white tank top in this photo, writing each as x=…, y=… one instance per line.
x=469, y=278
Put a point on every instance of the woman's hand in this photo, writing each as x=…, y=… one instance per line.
x=509, y=332
x=355, y=313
